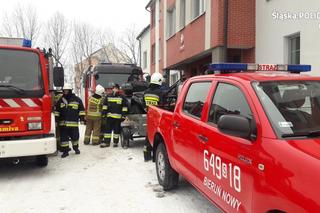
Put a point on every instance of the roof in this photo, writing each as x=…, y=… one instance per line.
x=260, y=76
x=116, y=68
x=150, y=3
x=143, y=32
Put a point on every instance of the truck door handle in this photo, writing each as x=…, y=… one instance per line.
x=203, y=138
x=176, y=124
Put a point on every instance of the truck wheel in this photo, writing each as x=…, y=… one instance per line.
x=42, y=160
x=125, y=135
x=167, y=177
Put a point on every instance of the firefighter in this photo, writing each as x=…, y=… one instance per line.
x=152, y=97
x=114, y=107
x=69, y=109
x=57, y=95
x=93, y=117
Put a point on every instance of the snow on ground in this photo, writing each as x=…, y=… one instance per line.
x=98, y=180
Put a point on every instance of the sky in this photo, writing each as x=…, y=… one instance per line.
x=116, y=15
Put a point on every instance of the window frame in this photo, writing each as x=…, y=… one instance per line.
x=205, y=101
x=290, y=48
x=182, y=15
x=153, y=53
x=171, y=22
x=145, y=59
x=202, y=9
x=212, y=98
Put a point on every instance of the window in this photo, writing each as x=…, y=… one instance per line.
x=159, y=18
x=197, y=8
x=12, y=82
x=293, y=107
x=228, y=99
x=294, y=49
x=153, y=54
x=195, y=98
x=182, y=13
x=174, y=78
x=145, y=59
x=153, y=18
x=171, y=19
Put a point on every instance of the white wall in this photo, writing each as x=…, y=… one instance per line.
x=271, y=31
x=145, y=46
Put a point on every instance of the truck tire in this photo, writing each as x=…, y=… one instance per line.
x=42, y=160
x=125, y=136
x=167, y=177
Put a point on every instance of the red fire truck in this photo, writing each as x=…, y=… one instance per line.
x=105, y=74
x=247, y=138
x=25, y=102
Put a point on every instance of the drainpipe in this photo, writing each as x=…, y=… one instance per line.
x=140, y=65
x=225, y=27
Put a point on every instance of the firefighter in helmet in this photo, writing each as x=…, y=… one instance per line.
x=69, y=110
x=115, y=108
x=94, y=116
x=57, y=95
x=152, y=97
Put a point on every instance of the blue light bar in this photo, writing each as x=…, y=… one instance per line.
x=228, y=67
x=27, y=43
x=238, y=67
x=299, y=68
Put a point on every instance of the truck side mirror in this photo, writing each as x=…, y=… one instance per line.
x=96, y=76
x=58, y=76
x=235, y=125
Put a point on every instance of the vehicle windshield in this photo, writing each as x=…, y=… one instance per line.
x=20, y=74
x=293, y=107
x=117, y=78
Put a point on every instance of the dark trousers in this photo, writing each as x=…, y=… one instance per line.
x=58, y=136
x=67, y=134
x=115, y=125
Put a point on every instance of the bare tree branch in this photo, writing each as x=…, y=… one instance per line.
x=129, y=45
x=23, y=22
x=57, y=34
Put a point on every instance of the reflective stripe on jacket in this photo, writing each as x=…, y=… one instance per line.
x=94, y=107
x=69, y=111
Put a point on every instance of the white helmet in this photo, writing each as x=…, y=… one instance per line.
x=156, y=78
x=67, y=86
x=99, y=90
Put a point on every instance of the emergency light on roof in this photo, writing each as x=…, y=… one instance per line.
x=239, y=67
x=27, y=43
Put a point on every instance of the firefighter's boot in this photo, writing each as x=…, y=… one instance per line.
x=65, y=154
x=104, y=144
x=146, y=155
x=77, y=151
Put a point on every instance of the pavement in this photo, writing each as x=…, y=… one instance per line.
x=98, y=180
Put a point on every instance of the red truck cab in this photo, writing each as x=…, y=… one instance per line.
x=25, y=104
x=248, y=139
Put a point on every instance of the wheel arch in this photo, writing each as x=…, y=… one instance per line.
x=157, y=140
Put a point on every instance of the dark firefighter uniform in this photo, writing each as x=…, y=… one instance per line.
x=93, y=120
x=57, y=96
x=114, y=107
x=152, y=97
x=69, y=109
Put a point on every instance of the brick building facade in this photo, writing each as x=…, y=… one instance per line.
x=188, y=35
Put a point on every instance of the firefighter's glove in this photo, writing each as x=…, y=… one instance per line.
x=124, y=118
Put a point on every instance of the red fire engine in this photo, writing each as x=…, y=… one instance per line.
x=25, y=102
x=105, y=74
